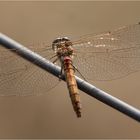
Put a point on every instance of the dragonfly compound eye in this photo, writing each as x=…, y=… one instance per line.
x=64, y=39
x=67, y=41
x=57, y=42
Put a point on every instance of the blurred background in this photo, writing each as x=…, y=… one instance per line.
x=51, y=115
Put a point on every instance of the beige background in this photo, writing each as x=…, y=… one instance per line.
x=51, y=115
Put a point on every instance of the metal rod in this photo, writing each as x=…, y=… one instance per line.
x=82, y=85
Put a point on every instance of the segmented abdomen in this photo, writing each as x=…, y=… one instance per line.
x=72, y=85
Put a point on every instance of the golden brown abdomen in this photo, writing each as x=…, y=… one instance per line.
x=72, y=85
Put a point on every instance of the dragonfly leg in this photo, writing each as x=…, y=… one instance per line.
x=54, y=57
x=61, y=72
x=75, y=69
x=60, y=75
x=55, y=60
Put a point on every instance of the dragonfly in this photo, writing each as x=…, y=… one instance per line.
x=95, y=57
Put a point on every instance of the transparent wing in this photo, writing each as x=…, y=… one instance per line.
x=20, y=77
x=110, y=55
x=105, y=56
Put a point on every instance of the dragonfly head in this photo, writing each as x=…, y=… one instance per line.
x=60, y=43
x=62, y=47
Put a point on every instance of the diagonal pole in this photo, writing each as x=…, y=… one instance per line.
x=86, y=87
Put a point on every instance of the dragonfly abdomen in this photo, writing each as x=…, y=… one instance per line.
x=72, y=85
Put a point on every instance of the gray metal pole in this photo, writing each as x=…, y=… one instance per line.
x=83, y=85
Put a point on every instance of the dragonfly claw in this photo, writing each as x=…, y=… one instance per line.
x=60, y=76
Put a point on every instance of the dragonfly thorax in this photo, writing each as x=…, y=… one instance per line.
x=62, y=47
